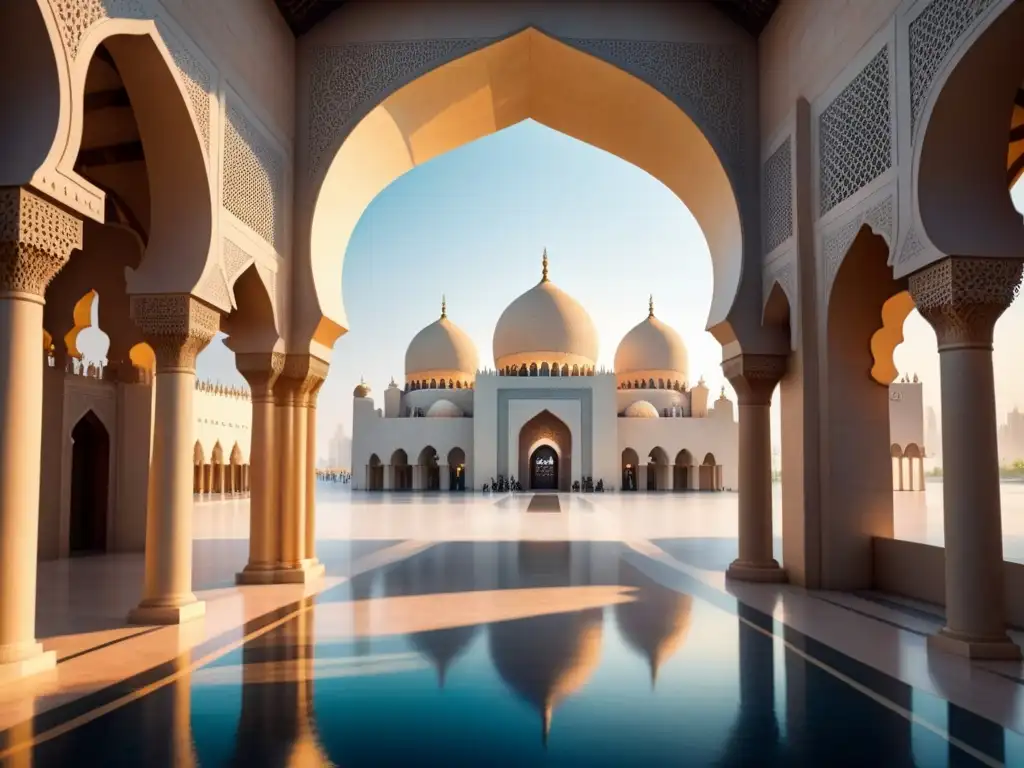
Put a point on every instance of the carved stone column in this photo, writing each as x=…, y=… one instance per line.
x=962, y=298
x=178, y=327
x=36, y=240
x=301, y=375
x=262, y=371
x=754, y=378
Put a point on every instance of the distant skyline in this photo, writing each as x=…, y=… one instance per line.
x=471, y=225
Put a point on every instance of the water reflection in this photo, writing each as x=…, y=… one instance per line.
x=501, y=640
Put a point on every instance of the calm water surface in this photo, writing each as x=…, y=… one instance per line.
x=528, y=653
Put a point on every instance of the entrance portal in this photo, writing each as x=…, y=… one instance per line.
x=90, y=465
x=544, y=469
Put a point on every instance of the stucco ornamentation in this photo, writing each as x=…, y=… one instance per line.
x=705, y=81
x=197, y=82
x=879, y=217
x=962, y=298
x=932, y=35
x=75, y=17
x=261, y=371
x=347, y=81
x=913, y=247
x=177, y=326
x=777, y=196
x=36, y=240
x=855, y=134
x=754, y=376
x=300, y=379
x=235, y=259
x=782, y=271
x=253, y=178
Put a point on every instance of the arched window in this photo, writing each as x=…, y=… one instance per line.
x=575, y=370
x=443, y=386
x=652, y=382
x=544, y=370
x=661, y=383
x=643, y=385
x=523, y=371
x=458, y=385
x=533, y=369
x=555, y=370
x=565, y=369
x=433, y=383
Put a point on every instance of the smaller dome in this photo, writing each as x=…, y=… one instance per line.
x=444, y=409
x=441, y=348
x=641, y=409
x=652, y=346
x=362, y=389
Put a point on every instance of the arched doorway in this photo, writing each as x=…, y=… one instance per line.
x=657, y=470
x=709, y=474
x=630, y=462
x=430, y=472
x=90, y=474
x=401, y=471
x=898, y=484
x=683, y=471
x=544, y=469
x=456, y=469
x=545, y=429
x=374, y=474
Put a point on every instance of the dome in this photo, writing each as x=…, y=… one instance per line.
x=444, y=409
x=362, y=389
x=652, y=347
x=641, y=409
x=545, y=324
x=441, y=348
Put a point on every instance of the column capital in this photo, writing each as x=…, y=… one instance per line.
x=36, y=240
x=177, y=326
x=963, y=297
x=300, y=380
x=754, y=376
x=261, y=370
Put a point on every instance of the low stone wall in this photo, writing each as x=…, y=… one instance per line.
x=918, y=571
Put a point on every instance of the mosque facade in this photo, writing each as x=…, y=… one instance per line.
x=545, y=414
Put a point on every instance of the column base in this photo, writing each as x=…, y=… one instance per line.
x=765, y=573
x=30, y=661
x=260, y=574
x=303, y=573
x=990, y=649
x=167, y=614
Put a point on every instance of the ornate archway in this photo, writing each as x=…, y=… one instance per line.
x=545, y=429
x=544, y=468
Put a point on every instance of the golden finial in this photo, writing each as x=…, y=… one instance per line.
x=444, y=307
x=544, y=267
x=650, y=306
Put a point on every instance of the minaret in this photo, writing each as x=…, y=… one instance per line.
x=392, y=401
x=544, y=267
x=699, y=400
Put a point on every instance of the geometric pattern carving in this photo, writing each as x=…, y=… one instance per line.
x=913, y=247
x=197, y=84
x=36, y=240
x=777, y=197
x=705, y=81
x=214, y=289
x=74, y=17
x=176, y=326
x=235, y=259
x=347, y=81
x=963, y=297
x=932, y=34
x=253, y=178
x=855, y=134
x=783, y=272
x=754, y=376
x=879, y=217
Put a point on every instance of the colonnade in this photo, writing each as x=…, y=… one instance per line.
x=222, y=479
x=418, y=479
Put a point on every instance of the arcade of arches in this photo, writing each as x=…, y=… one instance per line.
x=159, y=171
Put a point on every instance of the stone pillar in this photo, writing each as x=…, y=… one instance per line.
x=36, y=240
x=669, y=473
x=962, y=298
x=261, y=371
x=641, y=477
x=389, y=476
x=754, y=378
x=177, y=327
x=693, y=477
x=445, y=476
x=417, y=477
x=313, y=563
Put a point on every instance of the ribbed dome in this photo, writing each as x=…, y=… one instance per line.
x=362, y=390
x=641, y=409
x=545, y=324
x=444, y=409
x=652, y=346
x=441, y=346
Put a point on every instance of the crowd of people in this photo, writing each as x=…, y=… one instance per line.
x=334, y=475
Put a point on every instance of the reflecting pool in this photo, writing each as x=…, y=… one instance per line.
x=518, y=653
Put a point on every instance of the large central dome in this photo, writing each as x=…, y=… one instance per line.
x=545, y=325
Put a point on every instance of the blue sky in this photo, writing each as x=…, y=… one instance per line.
x=472, y=225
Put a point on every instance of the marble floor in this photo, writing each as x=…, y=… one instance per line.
x=469, y=630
